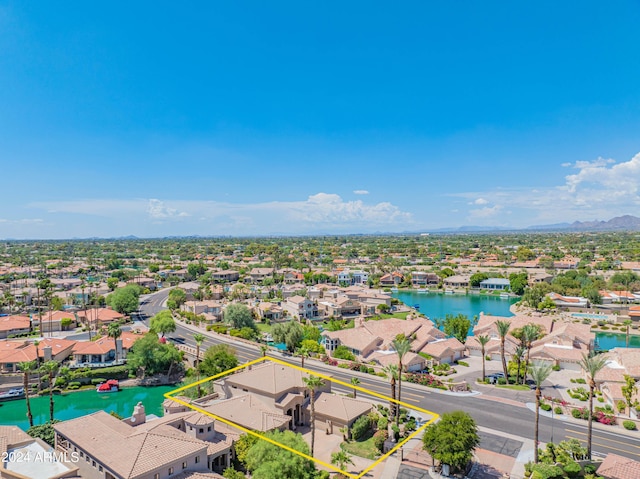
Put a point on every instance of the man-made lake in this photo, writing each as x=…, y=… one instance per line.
x=438, y=305
x=612, y=340
x=80, y=403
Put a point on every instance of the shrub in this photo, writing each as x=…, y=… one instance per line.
x=361, y=427
x=581, y=380
x=629, y=425
x=97, y=381
x=545, y=407
x=556, y=367
x=487, y=358
x=383, y=422
x=379, y=438
x=576, y=413
x=547, y=471
x=502, y=381
x=74, y=385
x=463, y=363
x=572, y=469
x=590, y=469
x=622, y=406
x=342, y=352
x=557, y=410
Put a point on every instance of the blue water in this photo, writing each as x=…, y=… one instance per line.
x=590, y=316
x=608, y=341
x=280, y=346
x=438, y=305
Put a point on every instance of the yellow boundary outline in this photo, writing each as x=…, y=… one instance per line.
x=434, y=416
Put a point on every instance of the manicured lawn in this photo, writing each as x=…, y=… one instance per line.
x=364, y=448
x=515, y=387
x=264, y=327
x=395, y=315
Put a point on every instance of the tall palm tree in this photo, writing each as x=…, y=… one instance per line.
x=313, y=383
x=27, y=368
x=36, y=343
x=530, y=333
x=114, y=331
x=627, y=323
x=518, y=354
x=303, y=353
x=199, y=339
x=539, y=373
x=263, y=350
x=591, y=365
x=50, y=368
x=483, y=340
x=392, y=373
x=341, y=459
x=503, y=330
x=355, y=382
x=402, y=346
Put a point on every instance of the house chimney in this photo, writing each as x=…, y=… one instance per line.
x=46, y=351
x=138, y=416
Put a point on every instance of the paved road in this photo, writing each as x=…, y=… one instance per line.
x=510, y=416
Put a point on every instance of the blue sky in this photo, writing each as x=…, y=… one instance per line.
x=252, y=118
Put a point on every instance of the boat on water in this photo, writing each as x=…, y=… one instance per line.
x=448, y=291
x=422, y=290
x=416, y=307
x=111, y=386
x=15, y=393
x=504, y=295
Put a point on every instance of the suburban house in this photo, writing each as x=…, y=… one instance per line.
x=12, y=353
x=495, y=284
x=99, y=316
x=269, y=311
x=258, y=275
x=339, y=307
x=55, y=321
x=457, y=281
x=298, y=306
x=391, y=279
x=421, y=279
x=225, y=276
x=349, y=277
x=445, y=350
x=14, y=442
x=568, y=301
x=272, y=396
x=212, y=310
x=618, y=467
x=103, y=352
x=371, y=341
x=13, y=325
x=621, y=362
x=139, y=447
x=292, y=277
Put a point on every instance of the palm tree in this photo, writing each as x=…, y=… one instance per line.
x=518, y=354
x=483, y=340
x=199, y=339
x=402, y=346
x=539, y=373
x=50, y=368
x=114, y=331
x=355, y=382
x=36, y=343
x=27, y=368
x=392, y=373
x=503, y=330
x=627, y=323
x=263, y=350
x=313, y=383
x=303, y=353
x=341, y=459
x=530, y=333
x=591, y=365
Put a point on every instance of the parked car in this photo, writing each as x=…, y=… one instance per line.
x=493, y=378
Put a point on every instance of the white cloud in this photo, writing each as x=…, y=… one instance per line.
x=318, y=212
x=599, y=189
x=360, y=192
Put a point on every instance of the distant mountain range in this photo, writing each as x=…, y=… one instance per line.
x=619, y=223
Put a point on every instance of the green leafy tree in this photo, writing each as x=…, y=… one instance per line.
x=452, y=440
x=125, y=300
x=149, y=356
x=591, y=365
x=457, y=326
x=534, y=295
x=342, y=352
x=177, y=297
x=163, y=323
x=483, y=340
x=629, y=390
x=27, y=368
x=518, y=283
x=231, y=473
x=243, y=445
x=290, y=333
x=239, y=316
x=112, y=283
x=312, y=346
x=539, y=373
x=476, y=279
x=313, y=383
x=268, y=461
x=218, y=359
x=44, y=431
x=402, y=346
